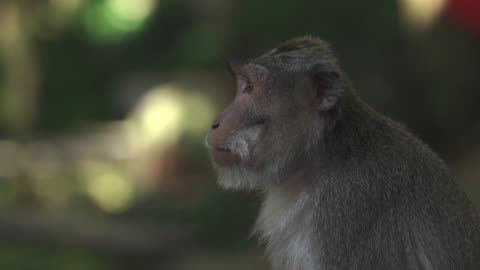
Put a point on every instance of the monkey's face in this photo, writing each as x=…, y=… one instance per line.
x=279, y=115
x=237, y=132
x=259, y=134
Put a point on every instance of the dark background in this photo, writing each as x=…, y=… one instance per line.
x=104, y=106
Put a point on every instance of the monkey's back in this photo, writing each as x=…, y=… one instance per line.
x=425, y=218
x=443, y=224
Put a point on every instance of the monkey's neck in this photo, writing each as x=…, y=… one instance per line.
x=311, y=226
x=335, y=196
x=286, y=225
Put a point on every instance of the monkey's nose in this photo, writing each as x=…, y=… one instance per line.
x=215, y=125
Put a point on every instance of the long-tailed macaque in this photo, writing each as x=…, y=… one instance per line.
x=345, y=187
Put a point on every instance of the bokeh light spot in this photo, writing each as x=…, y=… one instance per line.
x=419, y=15
x=130, y=10
x=166, y=113
x=114, y=20
x=111, y=190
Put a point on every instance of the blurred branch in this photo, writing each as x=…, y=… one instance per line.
x=118, y=239
x=104, y=145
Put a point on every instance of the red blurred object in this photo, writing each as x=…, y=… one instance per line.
x=465, y=12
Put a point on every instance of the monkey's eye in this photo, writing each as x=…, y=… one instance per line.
x=248, y=87
x=244, y=85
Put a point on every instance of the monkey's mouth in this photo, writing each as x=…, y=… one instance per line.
x=224, y=156
x=221, y=149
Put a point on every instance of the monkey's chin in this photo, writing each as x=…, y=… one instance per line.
x=237, y=177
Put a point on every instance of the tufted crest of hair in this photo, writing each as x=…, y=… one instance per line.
x=299, y=53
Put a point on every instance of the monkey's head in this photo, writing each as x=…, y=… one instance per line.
x=283, y=102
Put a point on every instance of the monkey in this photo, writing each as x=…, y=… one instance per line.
x=343, y=186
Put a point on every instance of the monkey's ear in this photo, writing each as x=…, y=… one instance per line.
x=229, y=67
x=328, y=86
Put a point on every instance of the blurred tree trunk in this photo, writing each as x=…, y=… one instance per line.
x=19, y=83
